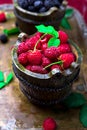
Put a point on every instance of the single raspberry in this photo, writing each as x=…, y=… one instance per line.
x=28, y=67
x=63, y=36
x=32, y=41
x=45, y=61
x=22, y=58
x=67, y=59
x=34, y=57
x=38, y=34
x=51, y=53
x=22, y=48
x=44, y=47
x=49, y=124
x=46, y=38
x=38, y=69
x=2, y=17
x=56, y=67
x=64, y=48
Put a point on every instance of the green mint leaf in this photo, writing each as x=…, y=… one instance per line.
x=2, y=84
x=47, y=29
x=9, y=78
x=75, y=100
x=53, y=42
x=83, y=115
x=69, y=12
x=1, y=76
x=65, y=24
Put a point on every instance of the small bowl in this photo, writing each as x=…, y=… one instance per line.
x=27, y=20
x=46, y=89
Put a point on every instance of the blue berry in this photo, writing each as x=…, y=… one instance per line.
x=48, y=3
x=38, y=4
x=31, y=2
x=43, y=9
x=23, y=4
x=31, y=8
x=3, y=38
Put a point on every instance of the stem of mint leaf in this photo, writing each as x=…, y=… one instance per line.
x=58, y=62
x=39, y=41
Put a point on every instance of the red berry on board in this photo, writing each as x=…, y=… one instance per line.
x=49, y=124
x=67, y=59
x=63, y=36
x=22, y=58
x=64, y=48
x=34, y=57
x=2, y=17
x=51, y=53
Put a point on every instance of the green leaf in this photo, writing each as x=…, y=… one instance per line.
x=83, y=115
x=54, y=42
x=9, y=78
x=2, y=84
x=47, y=29
x=75, y=100
x=65, y=24
x=69, y=12
x=1, y=76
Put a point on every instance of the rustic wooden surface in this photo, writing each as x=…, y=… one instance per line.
x=16, y=112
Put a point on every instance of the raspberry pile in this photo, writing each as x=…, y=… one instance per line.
x=39, y=6
x=40, y=58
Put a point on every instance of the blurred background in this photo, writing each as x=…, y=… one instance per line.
x=80, y=5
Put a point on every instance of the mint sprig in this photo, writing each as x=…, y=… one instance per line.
x=54, y=41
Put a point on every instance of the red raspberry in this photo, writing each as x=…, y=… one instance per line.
x=38, y=34
x=51, y=53
x=49, y=124
x=22, y=58
x=2, y=17
x=32, y=41
x=44, y=47
x=34, y=57
x=45, y=61
x=56, y=67
x=38, y=69
x=64, y=48
x=67, y=59
x=46, y=38
x=63, y=36
x=22, y=48
x=28, y=67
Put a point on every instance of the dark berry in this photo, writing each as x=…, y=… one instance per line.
x=31, y=8
x=23, y=4
x=48, y=3
x=3, y=38
x=38, y=4
x=43, y=9
x=30, y=2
